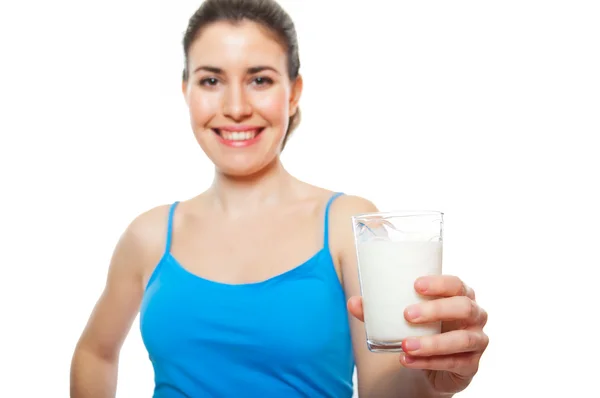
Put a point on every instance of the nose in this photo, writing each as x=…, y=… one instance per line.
x=236, y=104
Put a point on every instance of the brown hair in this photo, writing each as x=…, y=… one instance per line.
x=267, y=13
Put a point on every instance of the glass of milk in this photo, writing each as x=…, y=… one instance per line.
x=393, y=250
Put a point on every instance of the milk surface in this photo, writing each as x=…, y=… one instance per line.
x=388, y=271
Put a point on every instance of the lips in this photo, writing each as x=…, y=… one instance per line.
x=238, y=136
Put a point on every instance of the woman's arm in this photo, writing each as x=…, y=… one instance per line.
x=95, y=360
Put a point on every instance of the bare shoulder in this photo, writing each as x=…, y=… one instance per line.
x=348, y=205
x=342, y=210
x=149, y=227
x=340, y=225
x=343, y=206
x=144, y=238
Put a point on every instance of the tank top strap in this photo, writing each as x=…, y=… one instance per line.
x=326, y=229
x=170, y=227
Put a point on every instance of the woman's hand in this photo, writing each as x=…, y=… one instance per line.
x=450, y=359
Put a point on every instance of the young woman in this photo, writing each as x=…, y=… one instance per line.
x=251, y=288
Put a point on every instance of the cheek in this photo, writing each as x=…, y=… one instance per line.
x=273, y=105
x=203, y=107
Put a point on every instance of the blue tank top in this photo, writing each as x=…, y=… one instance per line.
x=287, y=336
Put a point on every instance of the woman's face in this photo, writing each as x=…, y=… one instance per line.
x=239, y=96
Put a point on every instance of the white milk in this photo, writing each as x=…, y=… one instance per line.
x=388, y=271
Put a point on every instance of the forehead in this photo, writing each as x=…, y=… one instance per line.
x=227, y=45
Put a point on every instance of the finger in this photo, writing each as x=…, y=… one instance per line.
x=465, y=364
x=483, y=317
x=355, y=307
x=454, y=342
x=444, y=309
x=443, y=286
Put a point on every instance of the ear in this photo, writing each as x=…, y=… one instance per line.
x=295, y=95
x=184, y=87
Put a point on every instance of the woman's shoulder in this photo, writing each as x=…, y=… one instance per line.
x=150, y=222
x=342, y=209
x=146, y=233
x=347, y=205
x=341, y=236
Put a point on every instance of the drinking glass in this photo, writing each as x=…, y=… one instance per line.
x=393, y=250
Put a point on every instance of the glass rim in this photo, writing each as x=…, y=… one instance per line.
x=396, y=213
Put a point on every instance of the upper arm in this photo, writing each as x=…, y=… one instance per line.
x=117, y=307
x=376, y=371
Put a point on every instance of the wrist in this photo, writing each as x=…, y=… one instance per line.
x=423, y=387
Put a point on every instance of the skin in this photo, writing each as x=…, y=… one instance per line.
x=251, y=187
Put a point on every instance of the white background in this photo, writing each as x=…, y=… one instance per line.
x=488, y=111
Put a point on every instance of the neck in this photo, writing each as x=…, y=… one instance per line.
x=237, y=195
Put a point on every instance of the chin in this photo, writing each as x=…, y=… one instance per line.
x=239, y=172
x=242, y=167
x=241, y=160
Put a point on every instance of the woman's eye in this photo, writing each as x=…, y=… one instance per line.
x=210, y=81
x=261, y=81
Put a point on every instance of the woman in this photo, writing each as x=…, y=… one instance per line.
x=245, y=289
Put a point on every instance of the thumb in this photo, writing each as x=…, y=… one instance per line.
x=355, y=307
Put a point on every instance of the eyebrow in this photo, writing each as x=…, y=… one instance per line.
x=219, y=71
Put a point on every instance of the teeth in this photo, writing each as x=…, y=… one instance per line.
x=238, y=135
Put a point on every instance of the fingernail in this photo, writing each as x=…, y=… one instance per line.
x=408, y=359
x=413, y=312
x=421, y=285
x=412, y=345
